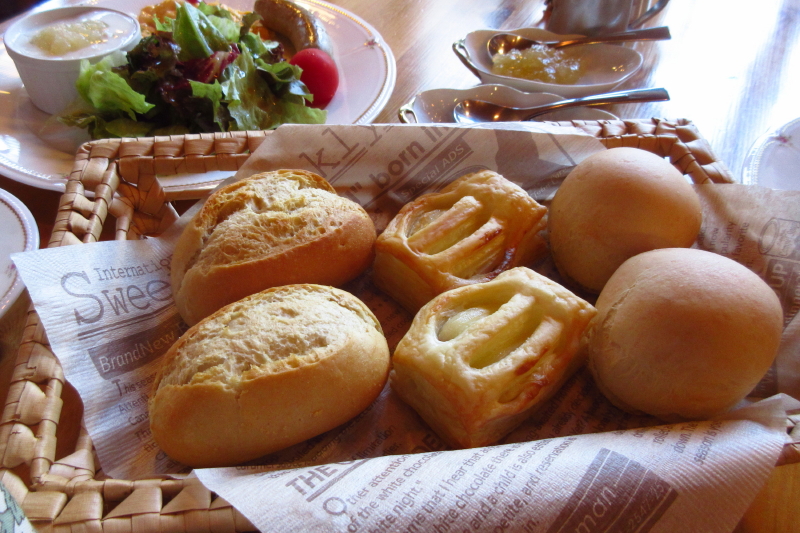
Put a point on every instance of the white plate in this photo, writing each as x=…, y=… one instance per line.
x=607, y=65
x=367, y=73
x=436, y=106
x=20, y=234
x=774, y=159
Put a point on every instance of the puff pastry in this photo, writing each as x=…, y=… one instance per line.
x=479, y=359
x=476, y=227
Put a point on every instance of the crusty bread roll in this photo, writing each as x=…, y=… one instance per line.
x=274, y=228
x=616, y=204
x=266, y=372
x=478, y=226
x=479, y=359
x=683, y=334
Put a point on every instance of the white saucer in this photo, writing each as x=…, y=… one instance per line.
x=20, y=234
x=774, y=159
x=436, y=105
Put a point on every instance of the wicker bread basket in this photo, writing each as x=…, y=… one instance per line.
x=48, y=462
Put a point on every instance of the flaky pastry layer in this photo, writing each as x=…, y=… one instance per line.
x=476, y=227
x=477, y=360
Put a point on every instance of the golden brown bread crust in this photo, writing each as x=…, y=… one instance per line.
x=616, y=204
x=475, y=228
x=479, y=359
x=682, y=333
x=271, y=229
x=266, y=372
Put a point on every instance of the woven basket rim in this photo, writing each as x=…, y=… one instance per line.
x=120, y=178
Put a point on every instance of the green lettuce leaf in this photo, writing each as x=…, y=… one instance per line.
x=256, y=45
x=214, y=9
x=247, y=22
x=226, y=27
x=284, y=79
x=222, y=19
x=106, y=90
x=196, y=35
x=241, y=90
x=166, y=25
x=212, y=91
x=253, y=105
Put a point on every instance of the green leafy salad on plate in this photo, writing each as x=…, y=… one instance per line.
x=201, y=71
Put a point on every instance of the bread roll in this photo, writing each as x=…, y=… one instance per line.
x=479, y=359
x=271, y=229
x=616, y=204
x=478, y=226
x=266, y=372
x=683, y=334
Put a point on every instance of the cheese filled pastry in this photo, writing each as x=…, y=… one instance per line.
x=479, y=359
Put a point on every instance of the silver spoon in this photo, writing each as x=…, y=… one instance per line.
x=475, y=111
x=504, y=42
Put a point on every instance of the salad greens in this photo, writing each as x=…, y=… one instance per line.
x=199, y=72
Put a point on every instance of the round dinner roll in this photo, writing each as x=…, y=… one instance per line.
x=269, y=371
x=616, y=204
x=683, y=333
x=271, y=229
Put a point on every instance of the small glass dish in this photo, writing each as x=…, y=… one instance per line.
x=774, y=158
x=606, y=65
x=436, y=105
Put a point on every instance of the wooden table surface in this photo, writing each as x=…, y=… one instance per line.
x=732, y=67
